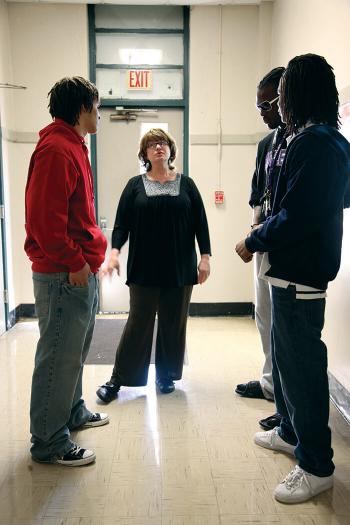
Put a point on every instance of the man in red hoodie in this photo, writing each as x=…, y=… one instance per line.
x=66, y=248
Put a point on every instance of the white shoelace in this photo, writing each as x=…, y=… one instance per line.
x=294, y=479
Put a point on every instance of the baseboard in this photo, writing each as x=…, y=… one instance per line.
x=196, y=310
x=339, y=396
x=22, y=310
x=220, y=309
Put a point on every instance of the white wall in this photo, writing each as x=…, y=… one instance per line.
x=313, y=26
x=6, y=101
x=47, y=42
x=223, y=41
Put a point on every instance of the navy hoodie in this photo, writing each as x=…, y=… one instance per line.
x=304, y=233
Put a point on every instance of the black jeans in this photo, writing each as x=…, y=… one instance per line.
x=134, y=351
x=300, y=378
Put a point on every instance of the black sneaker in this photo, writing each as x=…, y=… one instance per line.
x=76, y=457
x=270, y=422
x=97, y=419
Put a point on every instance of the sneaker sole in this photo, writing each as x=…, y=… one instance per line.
x=300, y=499
x=76, y=462
x=289, y=451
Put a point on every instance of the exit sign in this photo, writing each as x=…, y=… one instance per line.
x=139, y=79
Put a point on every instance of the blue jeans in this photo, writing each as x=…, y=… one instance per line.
x=300, y=378
x=66, y=317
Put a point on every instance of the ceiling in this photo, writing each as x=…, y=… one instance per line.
x=149, y=2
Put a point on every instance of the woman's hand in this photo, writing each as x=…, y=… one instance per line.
x=111, y=264
x=203, y=269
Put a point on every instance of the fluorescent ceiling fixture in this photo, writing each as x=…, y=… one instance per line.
x=141, y=56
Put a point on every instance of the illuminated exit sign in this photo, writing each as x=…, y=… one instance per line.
x=139, y=79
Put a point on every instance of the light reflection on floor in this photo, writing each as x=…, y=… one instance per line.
x=182, y=459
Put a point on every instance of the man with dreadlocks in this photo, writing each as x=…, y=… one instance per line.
x=66, y=248
x=303, y=239
x=270, y=155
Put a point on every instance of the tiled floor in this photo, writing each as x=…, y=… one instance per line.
x=182, y=459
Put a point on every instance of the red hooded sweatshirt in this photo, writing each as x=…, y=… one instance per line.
x=62, y=234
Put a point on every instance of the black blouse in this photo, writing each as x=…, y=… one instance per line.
x=162, y=231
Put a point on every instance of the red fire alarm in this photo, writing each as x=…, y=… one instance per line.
x=219, y=197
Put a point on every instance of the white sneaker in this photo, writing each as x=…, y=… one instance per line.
x=273, y=441
x=97, y=419
x=300, y=486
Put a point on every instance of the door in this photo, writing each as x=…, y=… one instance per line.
x=117, y=162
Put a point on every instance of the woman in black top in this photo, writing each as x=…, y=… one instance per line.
x=162, y=213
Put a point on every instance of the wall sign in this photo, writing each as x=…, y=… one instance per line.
x=139, y=79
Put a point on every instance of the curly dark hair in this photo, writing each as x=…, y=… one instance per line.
x=308, y=93
x=68, y=96
x=153, y=135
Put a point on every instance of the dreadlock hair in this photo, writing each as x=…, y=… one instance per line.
x=272, y=79
x=68, y=96
x=308, y=93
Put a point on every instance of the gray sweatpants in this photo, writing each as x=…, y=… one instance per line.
x=263, y=323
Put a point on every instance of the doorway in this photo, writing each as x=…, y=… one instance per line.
x=117, y=162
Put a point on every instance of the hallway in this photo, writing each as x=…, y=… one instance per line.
x=183, y=459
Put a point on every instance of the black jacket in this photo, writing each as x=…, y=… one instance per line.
x=304, y=233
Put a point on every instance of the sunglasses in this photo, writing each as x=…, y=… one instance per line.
x=267, y=104
x=153, y=145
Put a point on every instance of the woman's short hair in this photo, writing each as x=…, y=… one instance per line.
x=67, y=97
x=308, y=93
x=154, y=135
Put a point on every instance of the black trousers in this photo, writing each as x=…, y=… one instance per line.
x=134, y=351
x=300, y=378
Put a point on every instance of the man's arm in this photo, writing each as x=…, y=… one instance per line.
x=50, y=187
x=314, y=192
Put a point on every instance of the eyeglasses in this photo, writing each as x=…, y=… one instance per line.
x=161, y=143
x=267, y=104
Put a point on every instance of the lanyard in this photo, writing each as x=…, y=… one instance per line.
x=275, y=153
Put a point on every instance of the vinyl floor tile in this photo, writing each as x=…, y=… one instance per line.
x=183, y=459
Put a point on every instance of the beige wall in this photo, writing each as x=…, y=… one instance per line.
x=313, y=26
x=38, y=60
x=44, y=43
x=6, y=98
x=222, y=97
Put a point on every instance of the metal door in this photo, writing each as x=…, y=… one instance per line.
x=117, y=147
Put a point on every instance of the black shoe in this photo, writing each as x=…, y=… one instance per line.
x=108, y=392
x=166, y=386
x=270, y=422
x=252, y=389
x=77, y=457
x=97, y=419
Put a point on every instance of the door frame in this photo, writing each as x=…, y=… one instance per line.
x=155, y=103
